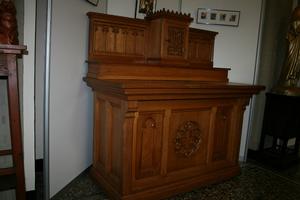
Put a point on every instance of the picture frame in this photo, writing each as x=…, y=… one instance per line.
x=142, y=7
x=93, y=2
x=218, y=17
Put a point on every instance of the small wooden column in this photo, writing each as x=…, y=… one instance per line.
x=13, y=176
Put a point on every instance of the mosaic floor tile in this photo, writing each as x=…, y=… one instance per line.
x=254, y=183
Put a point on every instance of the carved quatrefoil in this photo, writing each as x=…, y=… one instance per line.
x=188, y=139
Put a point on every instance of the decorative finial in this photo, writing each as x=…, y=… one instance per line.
x=169, y=14
x=8, y=23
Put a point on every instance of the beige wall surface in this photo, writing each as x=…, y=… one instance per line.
x=71, y=107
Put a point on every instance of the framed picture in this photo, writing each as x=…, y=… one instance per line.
x=143, y=7
x=218, y=17
x=94, y=2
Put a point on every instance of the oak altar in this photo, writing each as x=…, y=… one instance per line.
x=165, y=120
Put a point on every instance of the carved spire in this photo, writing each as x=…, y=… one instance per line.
x=170, y=15
x=8, y=23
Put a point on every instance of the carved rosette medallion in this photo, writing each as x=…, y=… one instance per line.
x=188, y=139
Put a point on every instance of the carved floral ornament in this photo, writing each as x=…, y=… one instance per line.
x=188, y=139
x=117, y=30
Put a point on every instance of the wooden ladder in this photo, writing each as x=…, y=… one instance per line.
x=13, y=177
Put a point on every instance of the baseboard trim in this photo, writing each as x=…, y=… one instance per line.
x=31, y=195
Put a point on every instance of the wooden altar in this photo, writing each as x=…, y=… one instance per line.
x=165, y=120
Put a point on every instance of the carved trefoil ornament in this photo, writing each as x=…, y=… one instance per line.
x=188, y=139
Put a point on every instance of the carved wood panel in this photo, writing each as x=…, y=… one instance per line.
x=99, y=133
x=149, y=144
x=175, y=44
x=188, y=138
x=176, y=40
x=115, y=140
x=118, y=40
x=200, y=51
x=221, y=133
x=107, y=137
x=201, y=47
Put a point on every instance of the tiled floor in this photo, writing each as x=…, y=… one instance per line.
x=255, y=183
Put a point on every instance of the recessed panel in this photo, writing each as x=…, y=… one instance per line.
x=188, y=139
x=100, y=136
x=221, y=133
x=116, y=139
x=149, y=144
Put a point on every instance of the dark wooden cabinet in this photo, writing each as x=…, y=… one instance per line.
x=281, y=123
x=164, y=125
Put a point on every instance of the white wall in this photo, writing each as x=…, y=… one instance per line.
x=28, y=91
x=121, y=8
x=41, y=22
x=235, y=47
x=169, y=4
x=127, y=8
x=71, y=111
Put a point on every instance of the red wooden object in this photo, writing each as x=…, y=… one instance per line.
x=9, y=71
